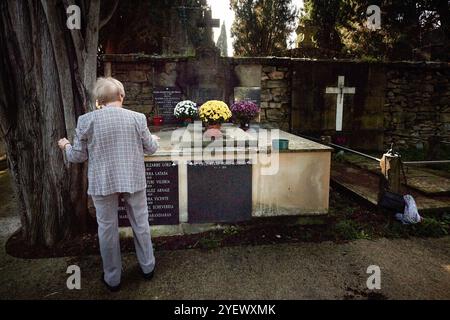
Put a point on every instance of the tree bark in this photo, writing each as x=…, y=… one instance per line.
x=46, y=72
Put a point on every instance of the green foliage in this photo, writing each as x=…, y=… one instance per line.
x=231, y=230
x=262, y=27
x=428, y=227
x=410, y=30
x=222, y=43
x=210, y=242
x=350, y=230
x=140, y=26
x=431, y=227
x=395, y=229
x=318, y=24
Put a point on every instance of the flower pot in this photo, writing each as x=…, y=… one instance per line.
x=280, y=144
x=158, y=120
x=213, y=131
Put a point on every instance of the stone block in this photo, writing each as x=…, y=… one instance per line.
x=445, y=117
x=269, y=69
x=279, y=91
x=146, y=89
x=137, y=76
x=281, y=99
x=276, y=75
x=275, y=105
x=249, y=75
x=274, y=114
x=265, y=95
x=276, y=84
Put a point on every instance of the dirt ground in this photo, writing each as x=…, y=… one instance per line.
x=414, y=268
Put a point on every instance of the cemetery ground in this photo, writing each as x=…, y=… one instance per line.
x=278, y=258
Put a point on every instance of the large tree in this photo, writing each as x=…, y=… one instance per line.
x=141, y=25
x=262, y=27
x=320, y=20
x=46, y=73
x=409, y=30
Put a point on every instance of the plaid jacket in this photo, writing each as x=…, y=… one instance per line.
x=114, y=140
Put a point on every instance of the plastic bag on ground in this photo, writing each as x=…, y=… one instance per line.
x=411, y=214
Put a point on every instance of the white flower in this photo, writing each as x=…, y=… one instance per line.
x=185, y=109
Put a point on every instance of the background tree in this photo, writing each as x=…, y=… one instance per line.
x=410, y=30
x=320, y=20
x=262, y=27
x=46, y=73
x=222, y=42
x=139, y=26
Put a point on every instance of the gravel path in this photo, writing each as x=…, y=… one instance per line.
x=410, y=269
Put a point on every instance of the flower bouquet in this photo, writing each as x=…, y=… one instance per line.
x=213, y=113
x=186, y=110
x=244, y=112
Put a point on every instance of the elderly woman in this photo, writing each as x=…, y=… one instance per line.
x=114, y=141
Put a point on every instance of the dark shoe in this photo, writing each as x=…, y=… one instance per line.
x=148, y=276
x=110, y=288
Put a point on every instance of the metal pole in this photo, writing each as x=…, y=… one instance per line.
x=324, y=141
x=354, y=151
x=426, y=162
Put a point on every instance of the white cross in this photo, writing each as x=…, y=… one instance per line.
x=340, y=90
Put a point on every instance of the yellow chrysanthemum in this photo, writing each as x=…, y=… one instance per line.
x=214, y=111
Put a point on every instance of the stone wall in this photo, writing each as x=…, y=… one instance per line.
x=393, y=102
x=138, y=83
x=276, y=96
x=417, y=104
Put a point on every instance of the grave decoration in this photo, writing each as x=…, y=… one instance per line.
x=186, y=111
x=213, y=113
x=340, y=90
x=243, y=112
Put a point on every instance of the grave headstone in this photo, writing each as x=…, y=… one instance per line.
x=206, y=94
x=209, y=83
x=252, y=94
x=166, y=98
x=249, y=88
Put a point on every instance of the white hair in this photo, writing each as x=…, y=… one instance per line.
x=108, y=90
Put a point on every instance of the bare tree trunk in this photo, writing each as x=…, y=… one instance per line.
x=45, y=73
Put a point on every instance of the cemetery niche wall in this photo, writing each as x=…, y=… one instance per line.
x=391, y=101
x=363, y=105
x=193, y=180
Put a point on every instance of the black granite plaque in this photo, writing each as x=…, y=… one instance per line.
x=219, y=193
x=162, y=194
x=252, y=94
x=123, y=219
x=166, y=98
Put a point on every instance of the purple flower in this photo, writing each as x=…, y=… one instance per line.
x=245, y=110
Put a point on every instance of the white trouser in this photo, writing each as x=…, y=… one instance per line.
x=108, y=233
